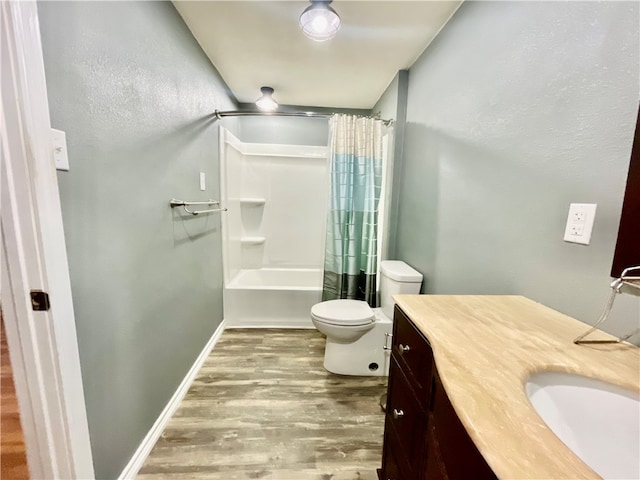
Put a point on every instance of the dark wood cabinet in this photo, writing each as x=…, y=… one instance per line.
x=423, y=437
x=410, y=379
x=455, y=454
x=627, y=253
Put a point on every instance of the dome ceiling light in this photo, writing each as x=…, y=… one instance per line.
x=319, y=21
x=266, y=103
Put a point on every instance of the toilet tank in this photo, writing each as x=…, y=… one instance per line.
x=396, y=277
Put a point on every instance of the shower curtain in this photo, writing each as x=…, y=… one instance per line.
x=351, y=262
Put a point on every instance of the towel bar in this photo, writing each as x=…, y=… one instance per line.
x=181, y=203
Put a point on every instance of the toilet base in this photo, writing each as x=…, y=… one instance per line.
x=366, y=356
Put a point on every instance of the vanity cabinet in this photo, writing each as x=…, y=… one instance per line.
x=423, y=437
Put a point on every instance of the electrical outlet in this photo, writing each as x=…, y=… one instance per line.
x=580, y=223
x=576, y=230
x=579, y=216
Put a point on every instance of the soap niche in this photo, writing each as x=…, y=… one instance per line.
x=251, y=213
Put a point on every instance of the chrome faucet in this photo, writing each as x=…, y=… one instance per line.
x=630, y=277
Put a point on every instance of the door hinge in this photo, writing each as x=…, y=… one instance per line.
x=40, y=300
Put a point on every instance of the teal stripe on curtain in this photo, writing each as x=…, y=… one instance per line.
x=351, y=259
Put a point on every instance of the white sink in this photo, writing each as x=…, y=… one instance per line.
x=598, y=421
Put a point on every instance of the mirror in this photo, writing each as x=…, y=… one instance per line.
x=627, y=251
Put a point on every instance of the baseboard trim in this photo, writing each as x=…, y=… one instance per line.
x=276, y=325
x=143, y=450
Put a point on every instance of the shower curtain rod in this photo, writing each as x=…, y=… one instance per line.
x=245, y=113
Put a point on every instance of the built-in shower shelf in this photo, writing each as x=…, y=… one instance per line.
x=252, y=240
x=256, y=202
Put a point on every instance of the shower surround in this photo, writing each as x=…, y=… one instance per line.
x=273, y=231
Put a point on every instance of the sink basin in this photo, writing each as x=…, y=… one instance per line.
x=598, y=421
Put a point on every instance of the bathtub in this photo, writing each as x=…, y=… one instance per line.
x=272, y=298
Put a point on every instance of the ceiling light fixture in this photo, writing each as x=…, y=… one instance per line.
x=319, y=21
x=266, y=103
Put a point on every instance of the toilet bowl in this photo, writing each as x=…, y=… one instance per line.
x=358, y=334
x=345, y=321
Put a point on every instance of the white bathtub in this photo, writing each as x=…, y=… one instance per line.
x=272, y=297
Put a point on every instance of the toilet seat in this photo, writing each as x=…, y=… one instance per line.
x=343, y=313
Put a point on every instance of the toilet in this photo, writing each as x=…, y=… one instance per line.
x=358, y=334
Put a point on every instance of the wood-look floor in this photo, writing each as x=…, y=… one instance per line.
x=13, y=456
x=263, y=407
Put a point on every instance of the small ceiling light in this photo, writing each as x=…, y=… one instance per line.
x=266, y=103
x=319, y=21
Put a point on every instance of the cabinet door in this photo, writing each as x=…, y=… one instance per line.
x=390, y=463
x=413, y=353
x=407, y=421
x=390, y=458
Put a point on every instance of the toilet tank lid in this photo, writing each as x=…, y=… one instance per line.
x=399, y=271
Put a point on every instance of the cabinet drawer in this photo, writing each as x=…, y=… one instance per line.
x=413, y=352
x=406, y=419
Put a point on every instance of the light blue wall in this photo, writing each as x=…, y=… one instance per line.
x=289, y=130
x=515, y=111
x=134, y=93
x=387, y=104
x=393, y=105
x=275, y=129
x=284, y=130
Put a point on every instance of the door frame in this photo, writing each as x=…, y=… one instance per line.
x=42, y=344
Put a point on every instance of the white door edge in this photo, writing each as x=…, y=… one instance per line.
x=48, y=379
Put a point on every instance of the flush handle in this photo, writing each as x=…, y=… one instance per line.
x=397, y=413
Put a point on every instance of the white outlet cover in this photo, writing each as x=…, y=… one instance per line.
x=203, y=185
x=580, y=223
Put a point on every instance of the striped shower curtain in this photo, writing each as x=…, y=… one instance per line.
x=351, y=262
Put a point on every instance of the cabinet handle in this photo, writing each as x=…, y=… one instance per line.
x=387, y=336
x=397, y=413
x=404, y=348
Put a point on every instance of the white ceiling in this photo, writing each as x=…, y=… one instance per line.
x=256, y=43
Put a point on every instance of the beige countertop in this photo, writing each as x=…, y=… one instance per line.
x=485, y=348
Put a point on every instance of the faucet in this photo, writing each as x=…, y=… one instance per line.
x=629, y=277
